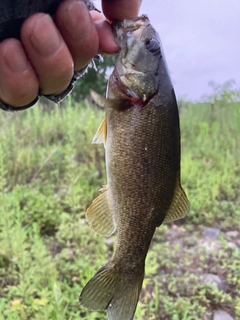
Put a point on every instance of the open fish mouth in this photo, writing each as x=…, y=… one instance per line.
x=120, y=29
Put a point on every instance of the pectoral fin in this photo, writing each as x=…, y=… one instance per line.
x=99, y=215
x=180, y=205
x=101, y=134
x=115, y=104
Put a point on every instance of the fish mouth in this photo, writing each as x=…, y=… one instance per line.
x=133, y=97
x=122, y=28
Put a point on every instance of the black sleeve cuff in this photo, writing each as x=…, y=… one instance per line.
x=55, y=98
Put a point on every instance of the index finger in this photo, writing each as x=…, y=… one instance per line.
x=121, y=9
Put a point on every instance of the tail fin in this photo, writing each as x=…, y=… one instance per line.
x=110, y=290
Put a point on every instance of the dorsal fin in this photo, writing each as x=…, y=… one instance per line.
x=101, y=134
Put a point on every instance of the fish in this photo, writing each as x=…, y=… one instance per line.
x=141, y=135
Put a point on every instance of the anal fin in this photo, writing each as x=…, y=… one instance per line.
x=99, y=215
x=180, y=205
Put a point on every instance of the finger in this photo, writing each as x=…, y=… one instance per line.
x=78, y=31
x=107, y=42
x=18, y=82
x=121, y=9
x=48, y=53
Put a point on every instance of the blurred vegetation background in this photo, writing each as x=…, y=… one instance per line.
x=49, y=174
x=93, y=80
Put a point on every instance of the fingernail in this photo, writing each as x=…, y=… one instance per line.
x=45, y=38
x=15, y=62
x=77, y=18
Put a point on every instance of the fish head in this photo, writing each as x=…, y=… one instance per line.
x=138, y=68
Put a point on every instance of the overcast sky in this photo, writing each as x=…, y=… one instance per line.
x=201, y=41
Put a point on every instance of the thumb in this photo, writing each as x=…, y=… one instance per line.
x=121, y=9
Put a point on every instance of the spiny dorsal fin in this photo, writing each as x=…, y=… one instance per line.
x=101, y=134
x=99, y=215
x=115, y=104
x=180, y=205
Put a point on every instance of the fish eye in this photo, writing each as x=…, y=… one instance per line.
x=152, y=45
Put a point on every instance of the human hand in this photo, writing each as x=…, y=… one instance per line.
x=49, y=52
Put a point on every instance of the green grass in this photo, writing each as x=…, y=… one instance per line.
x=49, y=174
x=210, y=164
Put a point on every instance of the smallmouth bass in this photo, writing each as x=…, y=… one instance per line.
x=141, y=135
